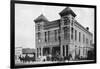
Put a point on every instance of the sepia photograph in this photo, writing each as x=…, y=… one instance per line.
x=53, y=34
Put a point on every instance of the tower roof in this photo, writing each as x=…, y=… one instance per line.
x=41, y=18
x=67, y=11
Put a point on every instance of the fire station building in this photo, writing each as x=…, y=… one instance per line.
x=64, y=36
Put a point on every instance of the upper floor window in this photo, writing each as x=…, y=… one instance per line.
x=66, y=21
x=55, y=32
x=66, y=33
x=90, y=42
x=45, y=36
x=86, y=41
x=39, y=36
x=72, y=21
x=39, y=27
x=83, y=38
x=72, y=30
x=48, y=36
x=58, y=32
x=79, y=36
x=66, y=29
x=75, y=34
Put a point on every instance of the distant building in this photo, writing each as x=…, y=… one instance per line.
x=18, y=52
x=29, y=54
x=28, y=51
x=64, y=36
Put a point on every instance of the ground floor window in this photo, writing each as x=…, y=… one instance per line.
x=66, y=50
x=37, y=52
x=63, y=50
x=40, y=51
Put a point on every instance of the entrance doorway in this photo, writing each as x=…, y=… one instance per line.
x=56, y=51
x=46, y=51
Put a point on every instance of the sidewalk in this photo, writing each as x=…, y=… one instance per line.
x=50, y=62
x=80, y=61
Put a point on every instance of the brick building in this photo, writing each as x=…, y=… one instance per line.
x=64, y=36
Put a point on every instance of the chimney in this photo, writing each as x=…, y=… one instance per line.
x=87, y=28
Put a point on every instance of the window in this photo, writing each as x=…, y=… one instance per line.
x=72, y=29
x=39, y=27
x=79, y=51
x=86, y=41
x=90, y=42
x=40, y=51
x=58, y=32
x=83, y=38
x=75, y=50
x=55, y=31
x=67, y=29
x=48, y=36
x=66, y=33
x=72, y=21
x=79, y=36
x=83, y=51
x=66, y=50
x=37, y=52
x=45, y=36
x=39, y=36
x=66, y=21
x=75, y=34
x=63, y=50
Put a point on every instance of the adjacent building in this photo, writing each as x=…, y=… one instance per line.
x=29, y=52
x=64, y=36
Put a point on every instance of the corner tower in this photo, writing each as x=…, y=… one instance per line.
x=67, y=21
x=67, y=28
x=39, y=35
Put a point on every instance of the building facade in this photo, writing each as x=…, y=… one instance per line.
x=64, y=36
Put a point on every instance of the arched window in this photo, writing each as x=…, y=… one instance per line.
x=66, y=21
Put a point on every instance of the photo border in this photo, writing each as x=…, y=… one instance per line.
x=12, y=32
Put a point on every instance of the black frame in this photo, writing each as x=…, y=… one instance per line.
x=12, y=32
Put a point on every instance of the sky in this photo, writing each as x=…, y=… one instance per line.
x=25, y=25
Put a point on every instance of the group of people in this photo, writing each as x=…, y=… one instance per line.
x=26, y=58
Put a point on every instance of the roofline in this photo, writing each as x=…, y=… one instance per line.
x=83, y=28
